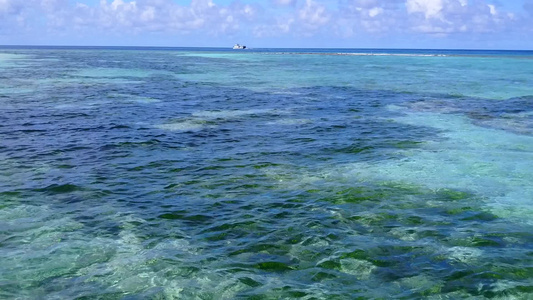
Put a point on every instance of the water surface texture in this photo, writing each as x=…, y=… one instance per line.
x=265, y=174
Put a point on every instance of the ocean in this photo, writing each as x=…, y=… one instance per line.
x=209, y=173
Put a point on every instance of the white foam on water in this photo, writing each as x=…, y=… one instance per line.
x=496, y=164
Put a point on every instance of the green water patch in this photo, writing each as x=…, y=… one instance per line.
x=432, y=219
x=187, y=217
x=61, y=188
x=273, y=266
x=267, y=248
x=386, y=192
x=406, y=144
x=10, y=198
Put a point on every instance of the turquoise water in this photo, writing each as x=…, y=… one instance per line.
x=265, y=174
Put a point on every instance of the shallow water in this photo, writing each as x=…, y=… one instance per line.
x=194, y=174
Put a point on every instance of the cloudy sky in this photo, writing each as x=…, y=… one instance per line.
x=477, y=24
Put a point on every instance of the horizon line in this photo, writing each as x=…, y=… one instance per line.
x=251, y=48
x=259, y=48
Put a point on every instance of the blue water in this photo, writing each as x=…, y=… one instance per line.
x=205, y=173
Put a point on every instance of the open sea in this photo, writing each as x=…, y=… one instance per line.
x=209, y=173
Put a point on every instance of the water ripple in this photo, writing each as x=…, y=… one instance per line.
x=151, y=175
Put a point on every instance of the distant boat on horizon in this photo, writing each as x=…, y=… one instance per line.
x=237, y=46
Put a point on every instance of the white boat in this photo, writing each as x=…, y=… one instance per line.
x=237, y=46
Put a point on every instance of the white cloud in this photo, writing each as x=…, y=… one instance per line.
x=282, y=25
x=375, y=11
x=492, y=9
x=430, y=8
x=451, y=16
x=148, y=15
x=369, y=16
x=164, y=16
x=313, y=15
x=14, y=16
x=345, y=19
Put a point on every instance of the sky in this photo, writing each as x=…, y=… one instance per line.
x=431, y=24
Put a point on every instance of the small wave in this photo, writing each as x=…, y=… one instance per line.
x=61, y=188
